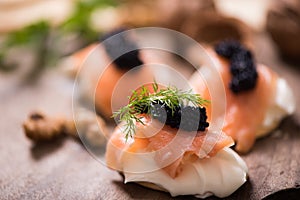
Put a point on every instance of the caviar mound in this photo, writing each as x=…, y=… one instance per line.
x=228, y=48
x=187, y=118
x=242, y=66
x=122, y=50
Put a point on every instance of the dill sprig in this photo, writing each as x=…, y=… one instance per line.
x=141, y=100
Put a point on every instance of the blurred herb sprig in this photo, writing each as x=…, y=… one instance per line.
x=79, y=21
x=33, y=36
x=38, y=35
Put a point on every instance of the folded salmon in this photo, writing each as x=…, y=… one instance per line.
x=174, y=151
x=107, y=72
x=256, y=97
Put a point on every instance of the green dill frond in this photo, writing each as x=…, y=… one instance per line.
x=140, y=102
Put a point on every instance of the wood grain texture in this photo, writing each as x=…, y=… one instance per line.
x=65, y=170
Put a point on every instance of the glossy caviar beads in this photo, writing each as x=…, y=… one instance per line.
x=122, y=49
x=187, y=118
x=242, y=66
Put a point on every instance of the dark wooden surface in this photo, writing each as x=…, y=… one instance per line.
x=65, y=170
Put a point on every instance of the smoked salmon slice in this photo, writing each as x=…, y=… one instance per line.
x=172, y=147
x=245, y=111
x=101, y=81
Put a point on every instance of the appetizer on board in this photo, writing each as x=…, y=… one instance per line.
x=257, y=98
x=109, y=71
x=164, y=143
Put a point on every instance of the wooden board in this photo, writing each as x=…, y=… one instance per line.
x=65, y=170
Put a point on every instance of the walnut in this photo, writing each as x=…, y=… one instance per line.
x=39, y=127
x=89, y=127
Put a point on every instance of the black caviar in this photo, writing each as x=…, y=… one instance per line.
x=242, y=66
x=122, y=49
x=187, y=118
